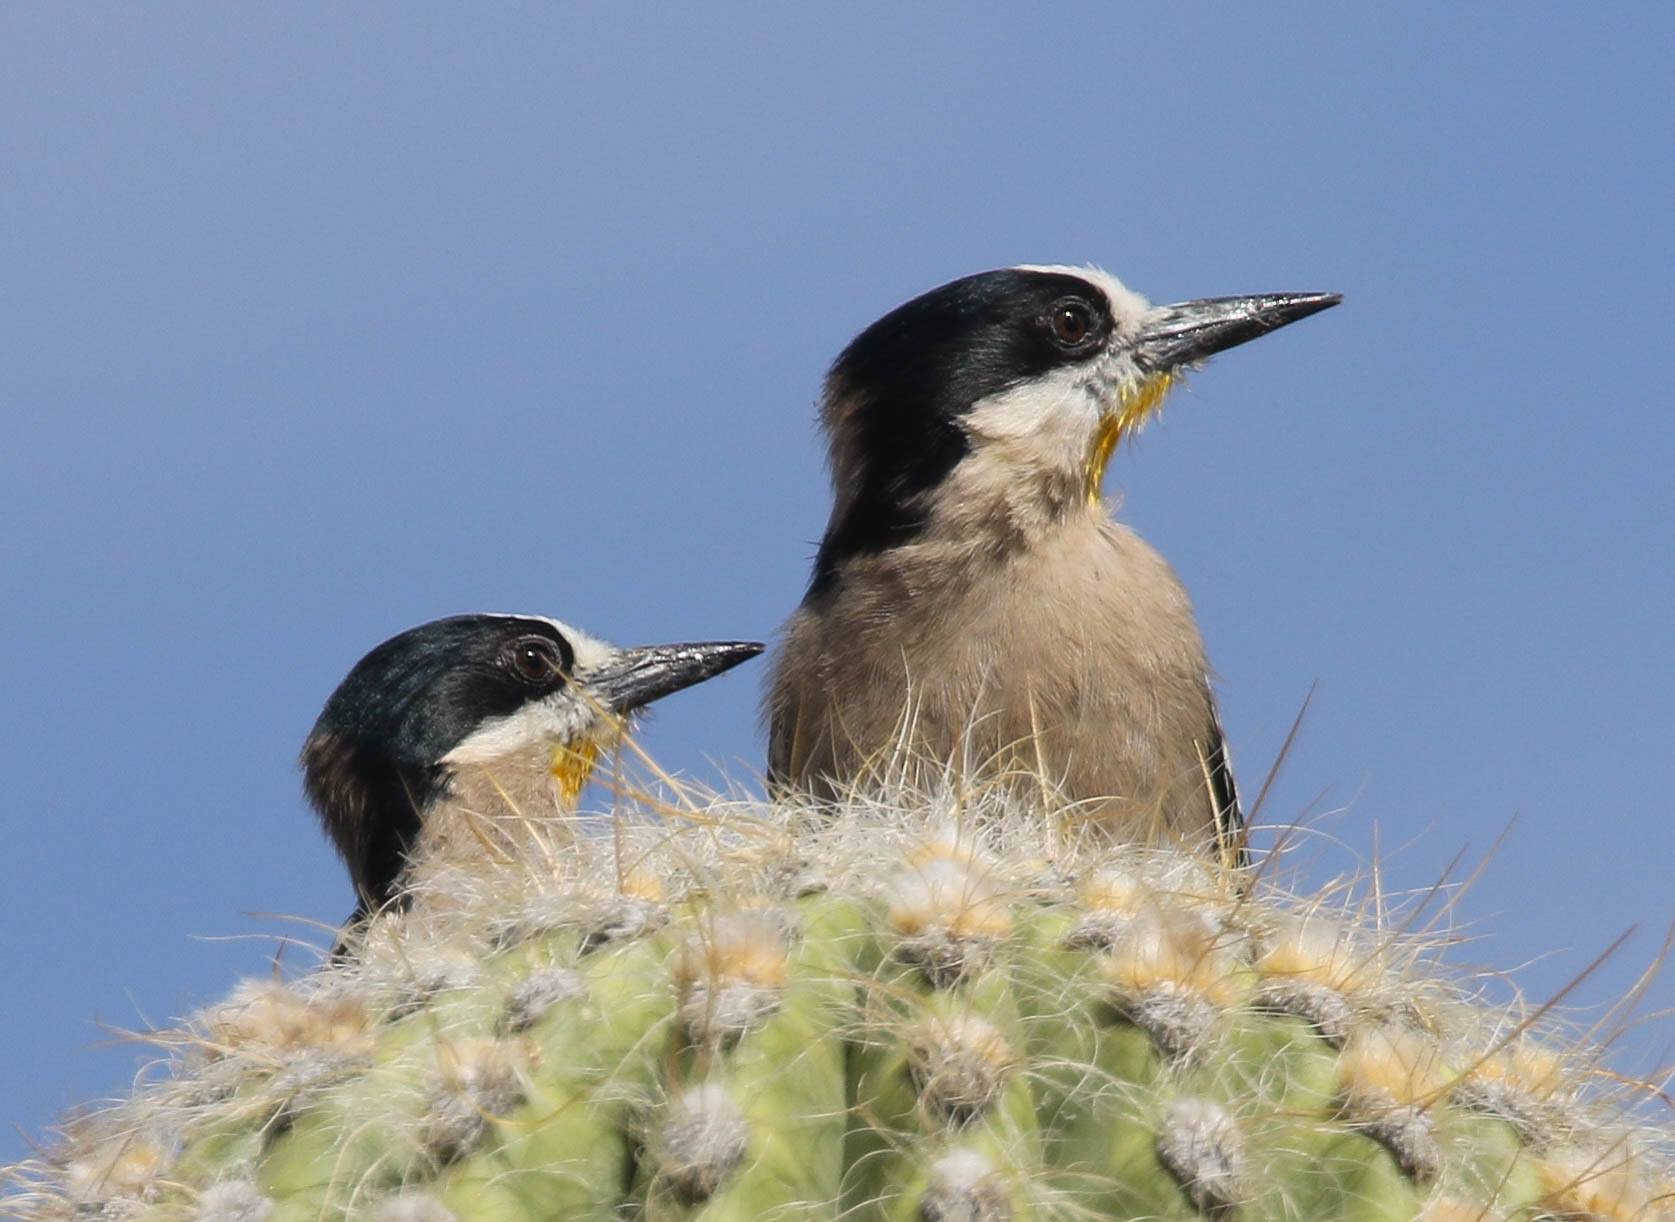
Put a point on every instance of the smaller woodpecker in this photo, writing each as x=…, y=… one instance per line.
x=449, y=736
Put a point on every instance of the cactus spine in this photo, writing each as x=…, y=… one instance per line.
x=913, y=1010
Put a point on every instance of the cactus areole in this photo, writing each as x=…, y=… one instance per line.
x=926, y=1007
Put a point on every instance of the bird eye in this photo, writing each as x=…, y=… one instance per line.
x=534, y=659
x=1072, y=323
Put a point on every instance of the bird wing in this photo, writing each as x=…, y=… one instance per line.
x=1229, y=816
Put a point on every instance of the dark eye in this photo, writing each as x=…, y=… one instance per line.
x=534, y=659
x=1072, y=323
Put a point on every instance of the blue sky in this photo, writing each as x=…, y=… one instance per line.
x=321, y=322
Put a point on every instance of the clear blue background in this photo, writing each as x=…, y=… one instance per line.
x=317, y=323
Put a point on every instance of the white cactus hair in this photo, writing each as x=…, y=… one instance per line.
x=726, y=905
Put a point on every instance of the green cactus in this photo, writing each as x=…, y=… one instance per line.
x=926, y=1008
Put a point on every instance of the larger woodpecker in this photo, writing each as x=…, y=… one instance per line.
x=973, y=605
x=463, y=735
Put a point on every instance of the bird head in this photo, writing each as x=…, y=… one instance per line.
x=1018, y=378
x=496, y=691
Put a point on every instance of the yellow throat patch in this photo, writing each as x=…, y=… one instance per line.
x=571, y=766
x=1134, y=407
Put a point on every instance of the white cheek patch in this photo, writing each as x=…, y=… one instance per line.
x=540, y=725
x=1058, y=413
x=1053, y=423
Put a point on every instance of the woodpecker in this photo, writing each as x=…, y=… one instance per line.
x=451, y=736
x=973, y=604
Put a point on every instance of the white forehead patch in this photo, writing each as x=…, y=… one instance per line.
x=591, y=652
x=1127, y=306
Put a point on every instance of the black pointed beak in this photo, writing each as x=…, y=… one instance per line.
x=1188, y=331
x=637, y=676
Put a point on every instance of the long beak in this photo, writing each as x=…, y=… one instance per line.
x=637, y=676
x=1177, y=335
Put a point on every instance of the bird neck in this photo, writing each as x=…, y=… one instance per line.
x=1012, y=473
x=519, y=808
x=369, y=804
x=1003, y=500
x=1007, y=496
